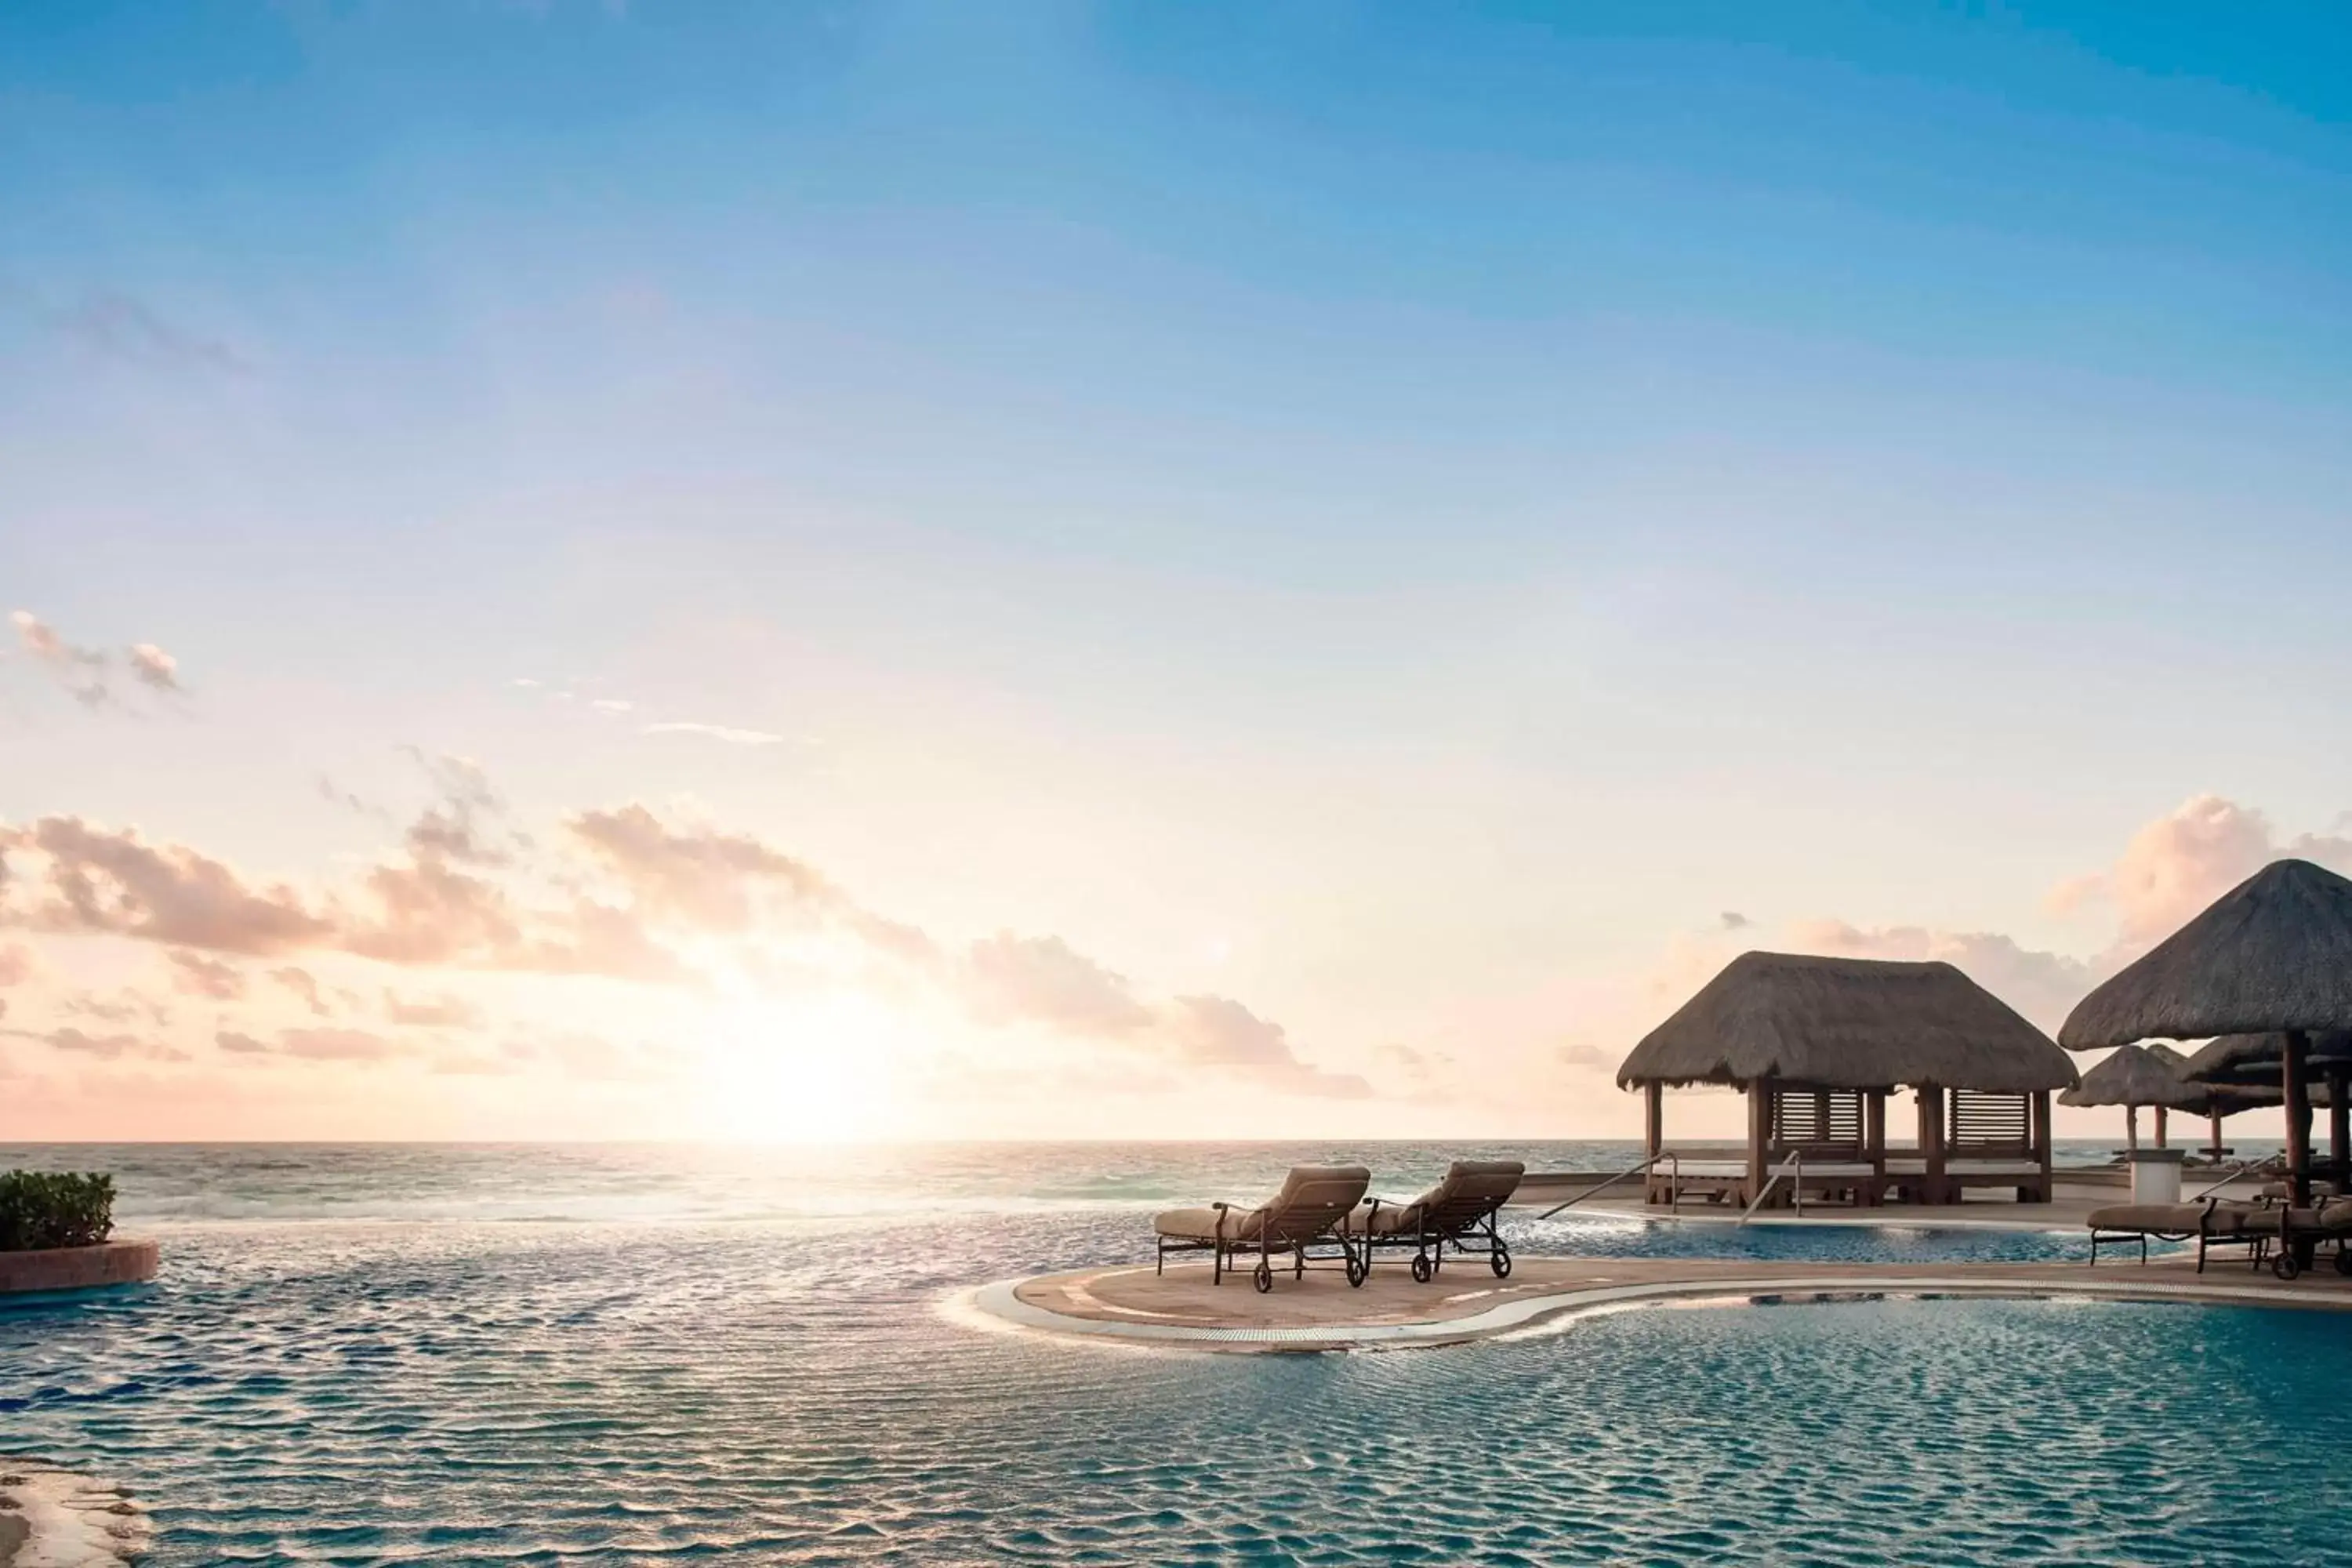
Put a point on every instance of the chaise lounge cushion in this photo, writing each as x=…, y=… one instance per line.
x=1310, y=1195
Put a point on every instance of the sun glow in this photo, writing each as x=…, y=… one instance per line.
x=815, y=1070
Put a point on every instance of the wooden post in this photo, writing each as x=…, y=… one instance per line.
x=1759, y=1132
x=2339, y=1125
x=1931, y=1140
x=2131, y=1128
x=2045, y=1146
x=2160, y=1126
x=1653, y=1132
x=2216, y=1137
x=1874, y=1144
x=2294, y=1088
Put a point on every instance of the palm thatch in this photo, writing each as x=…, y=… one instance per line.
x=2253, y=1061
x=2273, y=952
x=2139, y=1075
x=1847, y=1023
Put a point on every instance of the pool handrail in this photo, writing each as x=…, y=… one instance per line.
x=2242, y=1168
x=1629, y=1171
x=1793, y=1167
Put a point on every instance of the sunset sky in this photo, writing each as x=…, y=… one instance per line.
x=770, y=571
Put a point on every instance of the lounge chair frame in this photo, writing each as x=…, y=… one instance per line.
x=1227, y=1252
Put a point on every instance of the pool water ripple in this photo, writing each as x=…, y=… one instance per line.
x=777, y=1392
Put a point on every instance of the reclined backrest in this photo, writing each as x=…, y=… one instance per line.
x=1313, y=1198
x=1471, y=1189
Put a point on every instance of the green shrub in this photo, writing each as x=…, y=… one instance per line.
x=54, y=1208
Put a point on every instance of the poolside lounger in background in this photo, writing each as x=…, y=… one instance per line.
x=2209, y=1223
x=1459, y=1212
x=1308, y=1211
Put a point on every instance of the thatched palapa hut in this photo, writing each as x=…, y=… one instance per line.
x=1817, y=1045
x=2133, y=1076
x=2273, y=955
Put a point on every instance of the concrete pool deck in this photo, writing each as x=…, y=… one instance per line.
x=1466, y=1302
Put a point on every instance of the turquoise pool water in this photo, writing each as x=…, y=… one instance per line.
x=783, y=1388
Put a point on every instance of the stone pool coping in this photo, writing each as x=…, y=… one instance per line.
x=1118, y=1304
x=128, y=1261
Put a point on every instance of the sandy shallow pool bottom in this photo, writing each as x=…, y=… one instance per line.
x=1466, y=1303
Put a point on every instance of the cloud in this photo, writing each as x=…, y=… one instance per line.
x=443, y=1012
x=86, y=673
x=727, y=732
x=152, y=667
x=2175, y=866
x=115, y=326
x=304, y=986
x=1732, y=919
x=17, y=964
x=1009, y=979
x=1585, y=1056
x=612, y=705
x=1218, y=1032
x=238, y=1044
x=106, y=1047
x=194, y=974
x=80, y=670
x=697, y=875
x=105, y=881
x=336, y=1045
x=127, y=1006
x=427, y=912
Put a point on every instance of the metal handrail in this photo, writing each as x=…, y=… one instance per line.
x=1629, y=1171
x=2242, y=1168
x=1793, y=1167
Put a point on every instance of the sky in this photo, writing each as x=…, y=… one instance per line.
x=865, y=571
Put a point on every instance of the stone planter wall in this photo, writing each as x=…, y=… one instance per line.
x=79, y=1267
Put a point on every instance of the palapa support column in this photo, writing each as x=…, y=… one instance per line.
x=1931, y=1141
x=1874, y=1144
x=2216, y=1119
x=1759, y=1133
x=2160, y=1126
x=1654, y=1118
x=2295, y=1088
x=2131, y=1129
x=2338, y=1080
x=2044, y=1146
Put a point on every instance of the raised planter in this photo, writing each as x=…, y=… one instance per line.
x=79, y=1267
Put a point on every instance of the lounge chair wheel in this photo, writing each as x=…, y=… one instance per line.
x=1356, y=1270
x=1500, y=1262
x=1421, y=1270
x=1262, y=1277
x=2284, y=1264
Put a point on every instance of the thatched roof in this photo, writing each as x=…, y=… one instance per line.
x=2253, y=1060
x=2139, y=1075
x=2273, y=952
x=1847, y=1023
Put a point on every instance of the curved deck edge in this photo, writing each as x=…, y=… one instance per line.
x=1000, y=1300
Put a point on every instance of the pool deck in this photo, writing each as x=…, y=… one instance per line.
x=1182, y=1309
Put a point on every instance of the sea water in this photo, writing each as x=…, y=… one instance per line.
x=640, y=1355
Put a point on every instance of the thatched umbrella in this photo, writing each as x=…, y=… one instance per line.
x=2242, y=1064
x=2133, y=1076
x=1846, y=1024
x=2273, y=954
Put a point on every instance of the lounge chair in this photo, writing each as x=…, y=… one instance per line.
x=2211, y=1223
x=1307, y=1212
x=1459, y=1212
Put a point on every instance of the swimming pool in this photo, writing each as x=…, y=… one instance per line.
x=789, y=1392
